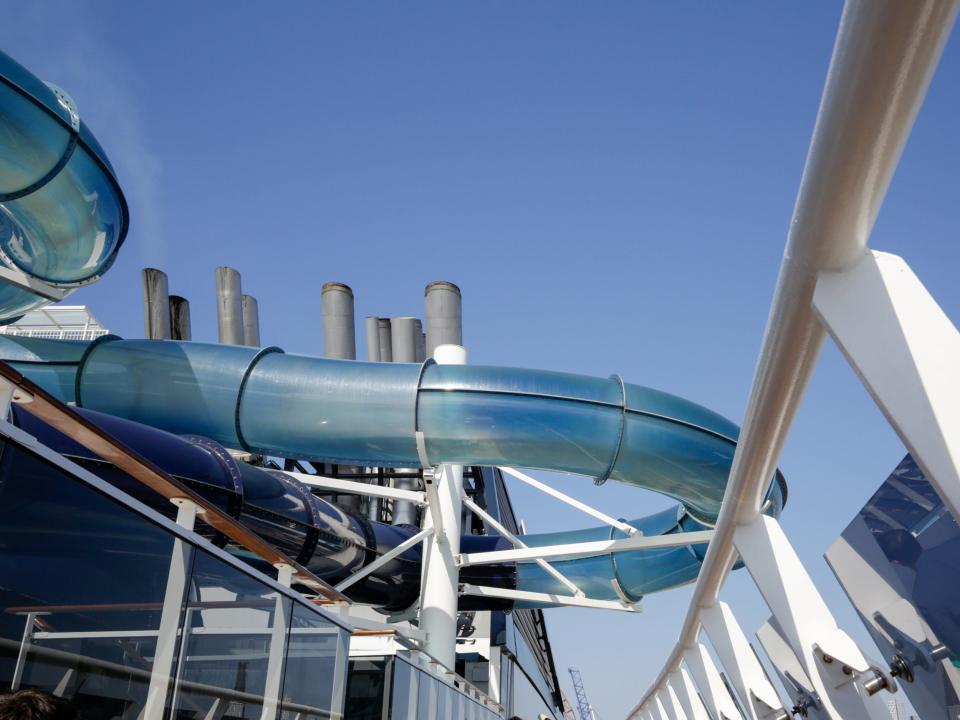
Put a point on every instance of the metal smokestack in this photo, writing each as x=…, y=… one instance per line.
x=373, y=338
x=251, y=321
x=156, y=304
x=421, y=344
x=386, y=342
x=405, y=338
x=229, y=306
x=443, y=315
x=339, y=337
x=180, y=318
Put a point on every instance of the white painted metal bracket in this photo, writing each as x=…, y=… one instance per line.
x=791, y=672
x=517, y=542
x=572, y=502
x=906, y=352
x=548, y=598
x=359, y=488
x=384, y=559
x=34, y=285
x=757, y=695
x=707, y=678
x=587, y=549
x=839, y=672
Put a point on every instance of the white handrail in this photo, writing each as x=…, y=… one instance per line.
x=884, y=57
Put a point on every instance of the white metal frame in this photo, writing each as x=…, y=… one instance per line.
x=898, y=341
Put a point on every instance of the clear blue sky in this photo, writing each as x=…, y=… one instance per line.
x=609, y=183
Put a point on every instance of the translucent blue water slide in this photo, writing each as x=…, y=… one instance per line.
x=62, y=213
x=62, y=220
x=368, y=414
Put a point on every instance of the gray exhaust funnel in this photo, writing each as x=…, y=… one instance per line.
x=339, y=337
x=443, y=315
x=229, y=307
x=180, y=318
x=373, y=338
x=156, y=304
x=251, y=321
x=405, y=338
x=386, y=341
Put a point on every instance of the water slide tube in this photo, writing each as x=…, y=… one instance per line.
x=62, y=221
x=62, y=215
x=358, y=413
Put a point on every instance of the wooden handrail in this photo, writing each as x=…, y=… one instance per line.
x=39, y=403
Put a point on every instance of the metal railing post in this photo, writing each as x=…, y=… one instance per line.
x=167, y=636
x=706, y=677
x=757, y=696
x=687, y=695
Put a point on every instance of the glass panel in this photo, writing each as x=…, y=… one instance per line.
x=313, y=663
x=366, y=689
x=898, y=561
x=404, y=703
x=235, y=633
x=427, y=697
x=83, y=580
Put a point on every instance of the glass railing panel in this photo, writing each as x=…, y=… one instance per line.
x=314, y=676
x=234, y=643
x=367, y=688
x=82, y=587
x=405, y=687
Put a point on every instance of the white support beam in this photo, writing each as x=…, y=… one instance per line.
x=384, y=559
x=518, y=543
x=546, y=598
x=758, y=697
x=687, y=695
x=659, y=711
x=572, y=502
x=906, y=352
x=440, y=575
x=672, y=703
x=833, y=662
x=167, y=637
x=358, y=488
x=276, y=657
x=586, y=549
x=720, y=703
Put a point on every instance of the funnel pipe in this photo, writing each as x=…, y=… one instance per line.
x=180, y=318
x=251, y=321
x=156, y=304
x=442, y=312
x=339, y=341
x=229, y=306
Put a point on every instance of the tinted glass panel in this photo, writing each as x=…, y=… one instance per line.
x=82, y=581
x=314, y=678
x=367, y=689
x=899, y=562
x=235, y=637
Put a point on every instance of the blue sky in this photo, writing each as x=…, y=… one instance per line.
x=610, y=185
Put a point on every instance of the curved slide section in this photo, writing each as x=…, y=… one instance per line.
x=63, y=216
x=368, y=413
